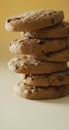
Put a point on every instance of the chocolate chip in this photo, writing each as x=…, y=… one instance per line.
x=48, y=54
x=32, y=78
x=24, y=83
x=26, y=76
x=21, y=41
x=30, y=38
x=41, y=42
x=9, y=20
x=17, y=67
x=60, y=78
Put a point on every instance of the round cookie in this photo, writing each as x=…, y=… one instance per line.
x=34, y=20
x=60, y=56
x=27, y=45
x=29, y=65
x=32, y=92
x=57, y=31
x=45, y=80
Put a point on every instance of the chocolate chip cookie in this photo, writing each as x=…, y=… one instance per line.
x=33, y=92
x=27, y=45
x=29, y=65
x=57, y=31
x=60, y=56
x=53, y=79
x=34, y=20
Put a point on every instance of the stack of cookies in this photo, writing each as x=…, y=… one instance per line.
x=43, y=53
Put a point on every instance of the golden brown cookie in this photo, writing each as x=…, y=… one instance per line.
x=29, y=65
x=57, y=31
x=32, y=92
x=53, y=79
x=60, y=56
x=26, y=45
x=34, y=20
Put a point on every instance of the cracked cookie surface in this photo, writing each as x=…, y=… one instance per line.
x=34, y=20
x=53, y=79
x=59, y=56
x=58, y=31
x=34, y=92
x=27, y=45
x=30, y=65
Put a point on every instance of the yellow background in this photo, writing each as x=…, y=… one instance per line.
x=13, y=7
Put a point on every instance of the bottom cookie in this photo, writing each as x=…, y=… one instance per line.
x=38, y=93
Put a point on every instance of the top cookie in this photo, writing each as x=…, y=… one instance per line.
x=34, y=20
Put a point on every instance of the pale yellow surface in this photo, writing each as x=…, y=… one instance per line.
x=21, y=114
x=17, y=113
